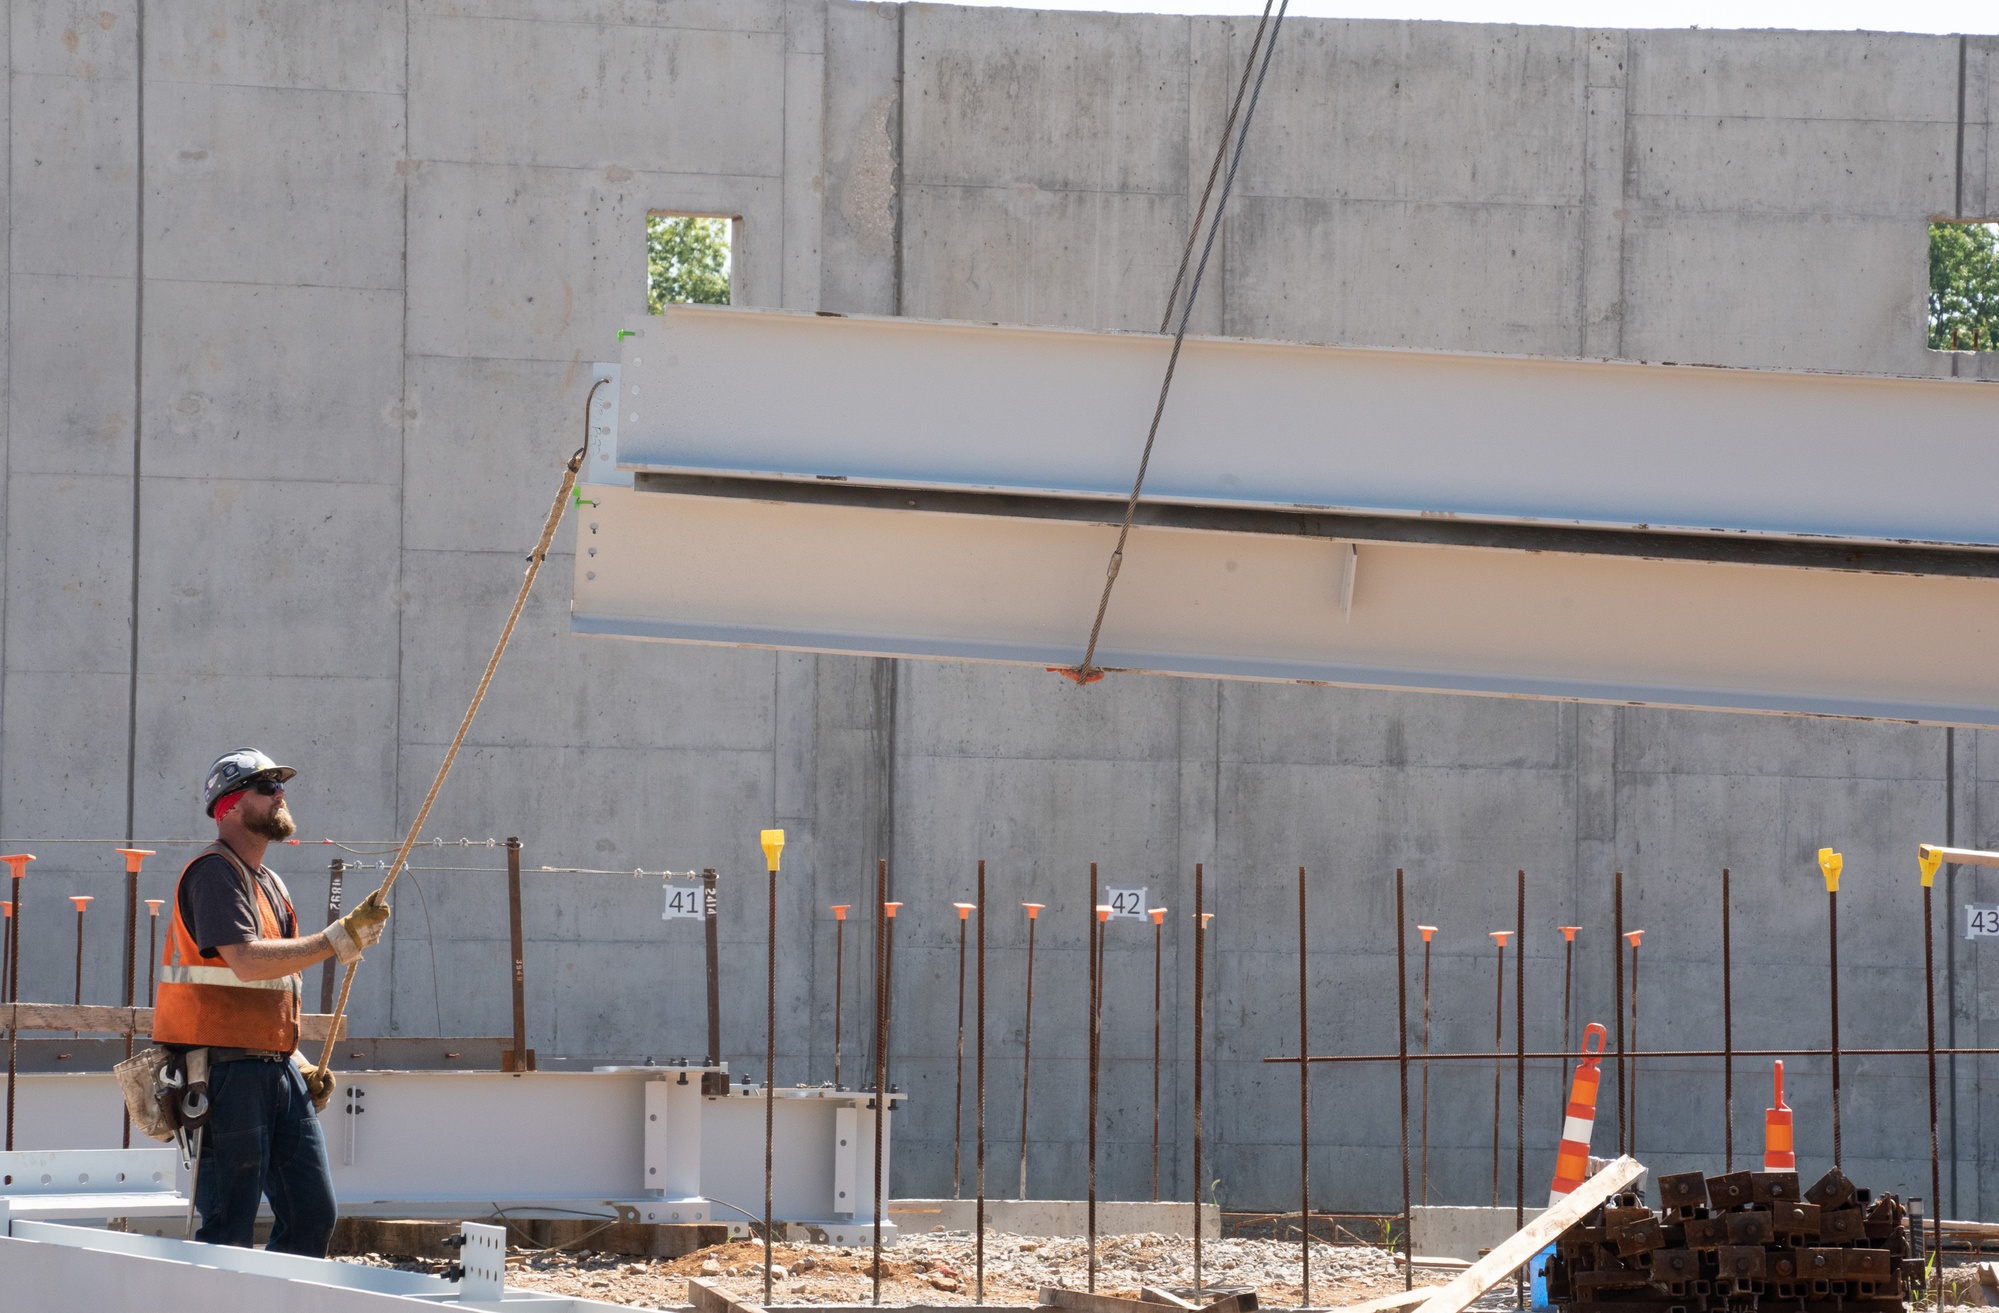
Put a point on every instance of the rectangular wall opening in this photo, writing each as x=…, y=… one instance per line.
x=688, y=259
x=1964, y=287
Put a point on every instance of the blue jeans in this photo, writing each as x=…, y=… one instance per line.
x=263, y=1139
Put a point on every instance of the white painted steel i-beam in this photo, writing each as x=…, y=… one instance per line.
x=1732, y=539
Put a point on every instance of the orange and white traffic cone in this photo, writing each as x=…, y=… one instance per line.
x=1572, y=1159
x=1777, y=1142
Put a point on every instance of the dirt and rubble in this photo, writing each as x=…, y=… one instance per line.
x=937, y=1269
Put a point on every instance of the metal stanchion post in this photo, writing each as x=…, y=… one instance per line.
x=336, y=875
x=1200, y=1015
x=1568, y=989
x=1304, y=1109
x=1520, y=1075
x=1617, y=966
x=1090, y=1033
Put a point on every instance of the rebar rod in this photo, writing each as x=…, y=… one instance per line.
x=1930, y=1018
x=881, y=1053
x=1832, y=966
x=1304, y=1111
x=1539, y=1055
x=1027, y=1044
x=1402, y=1055
x=1094, y=1032
x=1200, y=1010
x=1617, y=964
x=1633, y=1142
x=1158, y=957
x=1498, y=1034
x=770, y=1073
x=958, y=1098
x=1727, y=1030
x=14, y=997
x=839, y=984
x=1519, y=1074
x=1426, y=1052
x=979, y=1215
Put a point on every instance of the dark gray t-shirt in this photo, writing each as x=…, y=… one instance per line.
x=218, y=910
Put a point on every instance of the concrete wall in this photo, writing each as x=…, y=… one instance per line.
x=301, y=301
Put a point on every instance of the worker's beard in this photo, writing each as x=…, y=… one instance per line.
x=278, y=824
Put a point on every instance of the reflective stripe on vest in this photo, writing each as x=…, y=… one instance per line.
x=224, y=978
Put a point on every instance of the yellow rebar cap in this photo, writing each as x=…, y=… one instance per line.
x=1929, y=859
x=773, y=844
x=1830, y=862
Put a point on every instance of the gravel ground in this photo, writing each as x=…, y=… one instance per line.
x=937, y=1269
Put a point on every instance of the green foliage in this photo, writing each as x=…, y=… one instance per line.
x=687, y=260
x=1964, y=286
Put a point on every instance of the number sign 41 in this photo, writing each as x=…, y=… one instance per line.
x=1126, y=904
x=682, y=900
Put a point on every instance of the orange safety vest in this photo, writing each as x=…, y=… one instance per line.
x=206, y=1003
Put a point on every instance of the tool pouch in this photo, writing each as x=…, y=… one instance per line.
x=166, y=1091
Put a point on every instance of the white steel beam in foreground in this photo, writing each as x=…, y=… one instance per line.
x=1733, y=539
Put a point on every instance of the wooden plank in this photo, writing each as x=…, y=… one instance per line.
x=1523, y=1244
x=1154, y=1295
x=96, y=1019
x=1401, y=1299
x=707, y=1297
x=1963, y=856
x=1081, y=1301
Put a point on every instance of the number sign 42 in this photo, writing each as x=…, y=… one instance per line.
x=1127, y=904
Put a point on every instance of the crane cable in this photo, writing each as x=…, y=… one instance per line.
x=464, y=726
x=1084, y=672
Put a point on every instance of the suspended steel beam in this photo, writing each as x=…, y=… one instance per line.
x=1734, y=539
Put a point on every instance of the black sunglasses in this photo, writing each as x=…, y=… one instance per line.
x=269, y=788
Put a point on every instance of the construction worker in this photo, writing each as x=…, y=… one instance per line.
x=229, y=983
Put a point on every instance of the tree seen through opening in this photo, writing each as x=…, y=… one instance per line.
x=687, y=260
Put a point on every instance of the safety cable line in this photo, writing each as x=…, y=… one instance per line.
x=1214, y=171
x=1083, y=672
x=540, y=554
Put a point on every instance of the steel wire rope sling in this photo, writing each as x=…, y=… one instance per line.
x=540, y=554
x=1083, y=672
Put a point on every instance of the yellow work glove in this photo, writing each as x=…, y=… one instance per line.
x=360, y=928
x=319, y=1084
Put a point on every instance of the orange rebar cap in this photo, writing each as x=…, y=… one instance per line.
x=19, y=861
x=153, y=905
x=1569, y=932
x=1158, y=915
x=965, y=910
x=80, y=900
x=1428, y=931
x=1501, y=935
x=891, y=909
x=840, y=911
x=1104, y=911
x=1033, y=909
x=1632, y=937
x=135, y=858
